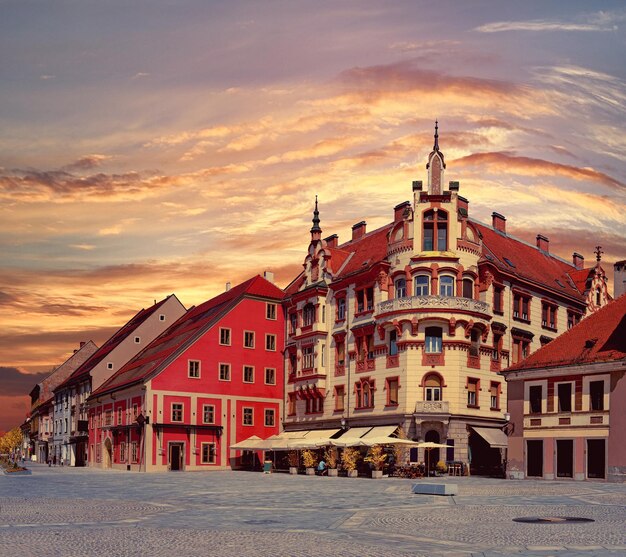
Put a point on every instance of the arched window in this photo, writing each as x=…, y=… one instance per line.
x=446, y=285
x=433, y=340
x=598, y=298
x=432, y=387
x=435, y=236
x=468, y=288
x=421, y=285
x=364, y=391
x=308, y=315
x=400, y=286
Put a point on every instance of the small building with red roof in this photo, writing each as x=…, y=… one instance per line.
x=213, y=378
x=409, y=324
x=567, y=402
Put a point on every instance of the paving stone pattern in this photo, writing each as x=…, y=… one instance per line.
x=83, y=512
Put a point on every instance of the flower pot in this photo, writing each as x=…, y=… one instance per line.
x=333, y=472
x=377, y=474
x=310, y=471
x=352, y=473
x=293, y=470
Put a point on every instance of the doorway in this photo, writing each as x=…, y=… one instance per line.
x=596, y=459
x=534, y=458
x=564, y=458
x=176, y=453
x=431, y=458
x=108, y=453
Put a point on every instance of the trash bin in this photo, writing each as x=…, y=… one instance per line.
x=267, y=467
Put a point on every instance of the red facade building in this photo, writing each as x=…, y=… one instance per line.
x=210, y=380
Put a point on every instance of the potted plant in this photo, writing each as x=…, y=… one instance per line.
x=441, y=467
x=349, y=459
x=293, y=459
x=376, y=457
x=309, y=460
x=331, y=458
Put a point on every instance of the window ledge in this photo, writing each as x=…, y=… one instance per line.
x=473, y=406
x=521, y=320
x=392, y=405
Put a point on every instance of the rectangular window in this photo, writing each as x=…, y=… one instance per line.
x=133, y=451
x=494, y=403
x=270, y=342
x=534, y=397
x=392, y=391
x=572, y=318
x=270, y=311
x=248, y=416
x=365, y=299
x=340, y=395
x=208, y=453
x=564, y=394
x=293, y=323
x=521, y=307
x=270, y=417
x=248, y=374
x=122, y=452
x=248, y=339
x=108, y=418
x=307, y=357
x=323, y=355
x=270, y=376
x=194, y=369
x=393, y=344
x=498, y=299
x=548, y=315
x=119, y=416
x=224, y=336
x=208, y=414
x=224, y=372
x=596, y=395
x=341, y=309
x=472, y=392
x=135, y=410
x=341, y=352
x=177, y=412
x=433, y=340
x=422, y=285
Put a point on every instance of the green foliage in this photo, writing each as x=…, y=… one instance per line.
x=331, y=457
x=376, y=457
x=309, y=458
x=349, y=458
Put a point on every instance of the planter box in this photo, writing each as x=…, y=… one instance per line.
x=293, y=470
x=310, y=471
x=333, y=472
x=353, y=473
x=377, y=474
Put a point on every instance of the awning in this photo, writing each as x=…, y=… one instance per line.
x=380, y=431
x=495, y=437
x=352, y=437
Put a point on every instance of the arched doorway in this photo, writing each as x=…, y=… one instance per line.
x=108, y=453
x=431, y=458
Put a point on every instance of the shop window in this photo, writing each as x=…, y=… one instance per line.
x=208, y=453
x=422, y=285
x=596, y=395
x=433, y=340
x=435, y=231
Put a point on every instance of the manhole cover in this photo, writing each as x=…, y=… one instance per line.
x=551, y=519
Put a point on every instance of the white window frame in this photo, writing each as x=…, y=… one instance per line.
x=270, y=342
x=273, y=369
x=544, y=394
x=222, y=331
x=271, y=311
x=253, y=340
x=205, y=410
x=572, y=396
x=182, y=412
x=587, y=380
x=219, y=371
x=269, y=412
x=243, y=374
x=192, y=373
x=243, y=416
x=209, y=460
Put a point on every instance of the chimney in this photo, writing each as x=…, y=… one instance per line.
x=498, y=222
x=82, y=343
x=358, y=230
x=332, y=241
x=578, y=260
x=227, y=286
x=268, y=276
x=400, y=210
x=543, y=243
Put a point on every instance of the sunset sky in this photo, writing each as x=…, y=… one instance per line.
x=169, y=146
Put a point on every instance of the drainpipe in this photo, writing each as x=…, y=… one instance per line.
x=348, y=356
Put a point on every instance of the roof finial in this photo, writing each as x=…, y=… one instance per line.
x=436, y=146
x=316, y=219
x=599, y=253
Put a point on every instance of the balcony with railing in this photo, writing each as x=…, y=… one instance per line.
x=435, y=303
x=432, y=407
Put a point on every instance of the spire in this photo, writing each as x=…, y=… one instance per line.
x=316, y=219
x=436, y=145
x=599, y=253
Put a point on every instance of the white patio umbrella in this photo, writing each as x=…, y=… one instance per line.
x=427, y=446
x=249, y=444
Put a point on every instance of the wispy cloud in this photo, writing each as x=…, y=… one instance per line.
x=539, y=25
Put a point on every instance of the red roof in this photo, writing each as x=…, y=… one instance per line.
x=187, y=329
x=601, y=337
x=514, y=257
x=582, y=278
x=127, y=330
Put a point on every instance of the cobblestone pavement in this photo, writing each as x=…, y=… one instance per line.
x=83, y=512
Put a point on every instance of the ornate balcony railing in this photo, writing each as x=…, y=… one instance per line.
x=433, y=302
x=432, y=407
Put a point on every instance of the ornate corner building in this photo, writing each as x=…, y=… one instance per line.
x=410, y=324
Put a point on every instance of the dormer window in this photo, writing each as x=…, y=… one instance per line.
x=400, y=286
x=435, y=231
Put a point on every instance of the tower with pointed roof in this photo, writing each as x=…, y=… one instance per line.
x=408, y=325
